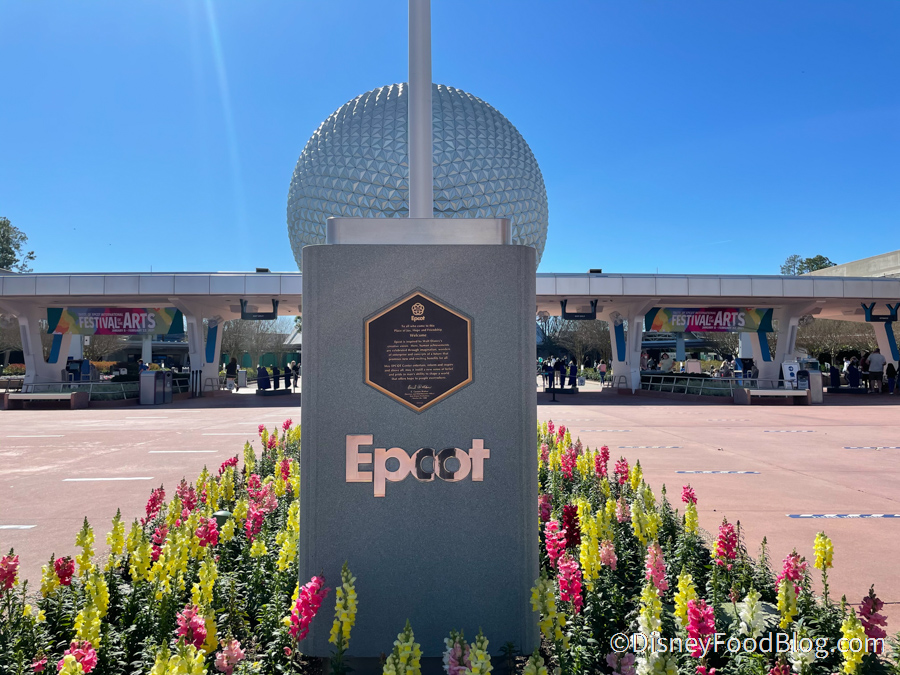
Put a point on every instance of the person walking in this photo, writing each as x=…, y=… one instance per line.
x=604, y=368
x=231, y=374
x=864, y=370
x=561, y=372
x=295, y=374
x=891, y=373
x=876, y=370
x=573, y=374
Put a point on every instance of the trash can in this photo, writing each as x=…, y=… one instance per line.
x=148, y=387
x=803, y=380
x=167, y=387
x=816, y=395
x=242, y=378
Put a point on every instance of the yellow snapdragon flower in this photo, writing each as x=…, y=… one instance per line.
x=685, y=593
x=824, y=552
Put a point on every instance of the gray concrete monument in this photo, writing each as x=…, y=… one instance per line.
x=419, y=465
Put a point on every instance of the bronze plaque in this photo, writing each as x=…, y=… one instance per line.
x=418, y=351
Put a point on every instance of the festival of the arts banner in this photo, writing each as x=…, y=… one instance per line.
x=716, y=319
x=115, y=321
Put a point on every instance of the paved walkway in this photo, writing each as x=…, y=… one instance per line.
x=841, y=458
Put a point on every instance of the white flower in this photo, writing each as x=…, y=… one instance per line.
x=752, y=619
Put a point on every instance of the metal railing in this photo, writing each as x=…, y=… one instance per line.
x=99, y=391
x=707, y=386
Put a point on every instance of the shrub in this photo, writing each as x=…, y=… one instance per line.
x=104, y=367
x=14, y=369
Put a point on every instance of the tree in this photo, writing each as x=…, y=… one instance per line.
x=255, y=337
x=583, y=337
x=795, y=265
x=12, y=242
x=101, y=346
x=832, y=337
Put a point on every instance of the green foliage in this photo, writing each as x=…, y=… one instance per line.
x=794, y=264
x=14, y=369
x=13, y=257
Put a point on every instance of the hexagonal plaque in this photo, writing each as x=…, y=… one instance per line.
x=418, y=351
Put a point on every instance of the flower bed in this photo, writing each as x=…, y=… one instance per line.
x=207, y=582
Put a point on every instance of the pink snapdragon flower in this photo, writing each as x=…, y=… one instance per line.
x=793, y=569
x=65, y=568
x=608, y=554
x=154, y=504
x=229, y=657
x=656, y=568
x=262, y=428
x=561, y=433
x=869, y=616
x=570, y=582
x=701, y=621
x=544, y=507
x=188, y=496
x=623, y=511
x=84, y=654
x=621, y=470
x=621, y=664
x=272, y=442
x=554, y=540
x=191, y=626
x=286, y=424
x=550, y=427
x=458, y=661
x=545, y=453
x=285, y=468
x=39, y=664
x=601, y=462
x=231, y=461
x=208, y=532
x=568, y=461
x=9, y=570
x=688, y=496
x=307, y=606
x=725, y=547
x=254, y=522
x=703, y=670
x=780, y=669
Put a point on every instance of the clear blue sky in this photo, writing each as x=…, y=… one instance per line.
x=683, y=136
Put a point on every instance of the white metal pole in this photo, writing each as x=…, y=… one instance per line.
x=421, y=172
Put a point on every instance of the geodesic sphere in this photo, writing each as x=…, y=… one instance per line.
x=356, y=165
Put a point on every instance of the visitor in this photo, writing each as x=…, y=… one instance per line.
x=835, y=375
x=891, y=373
x=262, y=378
x=142, y=366
x=573, y=374
x=276, y=375
x=666, y=363
x=876, y=369
x=864, y=370
x=603, y=370
x=231, y=374
x=561, y=372
x=645, y=361
x=295, y=374
x=853, y=374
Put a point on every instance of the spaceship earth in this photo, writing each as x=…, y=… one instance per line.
x=356, y=165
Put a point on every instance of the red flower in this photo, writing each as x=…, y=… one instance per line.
x=39, y=665
x=84, y=654
x=65, y=568
x=571, y=525
x=9, y=569
x=307, y=606
x=191, y=626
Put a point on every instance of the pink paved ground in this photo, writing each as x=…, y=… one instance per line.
x=798, y=472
